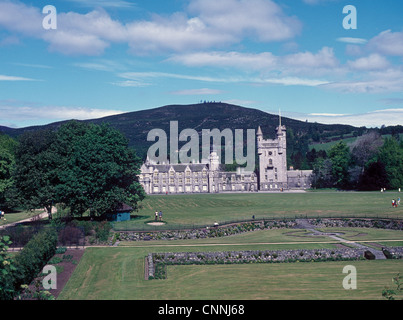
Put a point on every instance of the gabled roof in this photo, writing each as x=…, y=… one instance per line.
x=194, y=167
x=123, y=207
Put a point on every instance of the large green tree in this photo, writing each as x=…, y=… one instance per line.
x=391, y=156
x=36, y=170
x=83, y=166
x=7, y=161
x=99, y=171
x=339, y=155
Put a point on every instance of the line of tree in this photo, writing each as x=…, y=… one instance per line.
x=370, y=163
x=85, y=167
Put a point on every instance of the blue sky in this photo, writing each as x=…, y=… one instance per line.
x=107, y=57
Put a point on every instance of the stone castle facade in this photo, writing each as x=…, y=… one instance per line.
x=210, y=177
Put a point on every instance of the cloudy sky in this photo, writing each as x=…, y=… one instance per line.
x=107, y=57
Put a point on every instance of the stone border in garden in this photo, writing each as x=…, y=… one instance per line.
x=222, y=231
x=202, y=233
x=157, y=262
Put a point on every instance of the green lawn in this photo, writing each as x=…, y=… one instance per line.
x=205, y=209
x=118, y=273
x=12, y=217
x=391, y=238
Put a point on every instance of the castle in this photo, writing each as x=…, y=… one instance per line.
x=209, y=176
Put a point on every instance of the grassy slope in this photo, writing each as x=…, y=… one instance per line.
x=117, y=273
x=205, y=209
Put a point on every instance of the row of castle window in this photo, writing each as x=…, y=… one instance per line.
x=172, y=189
x=156, y=178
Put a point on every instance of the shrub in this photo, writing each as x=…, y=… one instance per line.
x=369, y=255
x=61, y=250
x=33, y=257
x=102, y=230
x=55, y=260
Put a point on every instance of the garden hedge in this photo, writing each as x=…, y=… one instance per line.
x=33, y=257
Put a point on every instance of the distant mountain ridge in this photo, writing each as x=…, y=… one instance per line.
x=136, y=125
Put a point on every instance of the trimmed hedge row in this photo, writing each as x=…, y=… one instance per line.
x=32, y=258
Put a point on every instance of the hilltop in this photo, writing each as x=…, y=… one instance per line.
x=136, y=125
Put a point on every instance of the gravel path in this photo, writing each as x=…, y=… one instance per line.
x=304, y=224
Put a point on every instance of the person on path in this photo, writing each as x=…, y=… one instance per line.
x=160, y=215
x=156, y=215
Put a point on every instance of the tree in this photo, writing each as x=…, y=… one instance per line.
x=36, y=170
x=391, y=155
x=392, y=294
x=6, y=269
x=322, y=173
x=7, y=163
x=99, y=172
x=365, y=148
x=339, y=154
x=374, y=177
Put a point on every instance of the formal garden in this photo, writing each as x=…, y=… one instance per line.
x=146, y=258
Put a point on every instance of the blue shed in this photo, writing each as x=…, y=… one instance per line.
x=122, y=213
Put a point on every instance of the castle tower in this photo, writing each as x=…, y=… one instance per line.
x=272, y=160
x=214, y=161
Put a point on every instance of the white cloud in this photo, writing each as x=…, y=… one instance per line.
x=294, y=81
x=352, y=40
x=105, y=3
x=204, y=24
x=12, y=112
x=266, y=61
x=176, y=33
x=372, y=62
x=377, y=118
x=261, y=19
x=21, y=18
x=143, y=76
x=191, y=92
x=316, y=2
x=293, y=69
x=387, y=43
x=14, y=78
x=261, y=61
x=131, y=83
x=325, y=58
x=379, y=81
x=76, y=44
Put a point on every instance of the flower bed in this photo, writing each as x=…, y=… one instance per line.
x=358, y=223
x=157, y=262
x=203, y=233
x=222, y=231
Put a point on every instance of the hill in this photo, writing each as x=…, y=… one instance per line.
x=136, y=125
